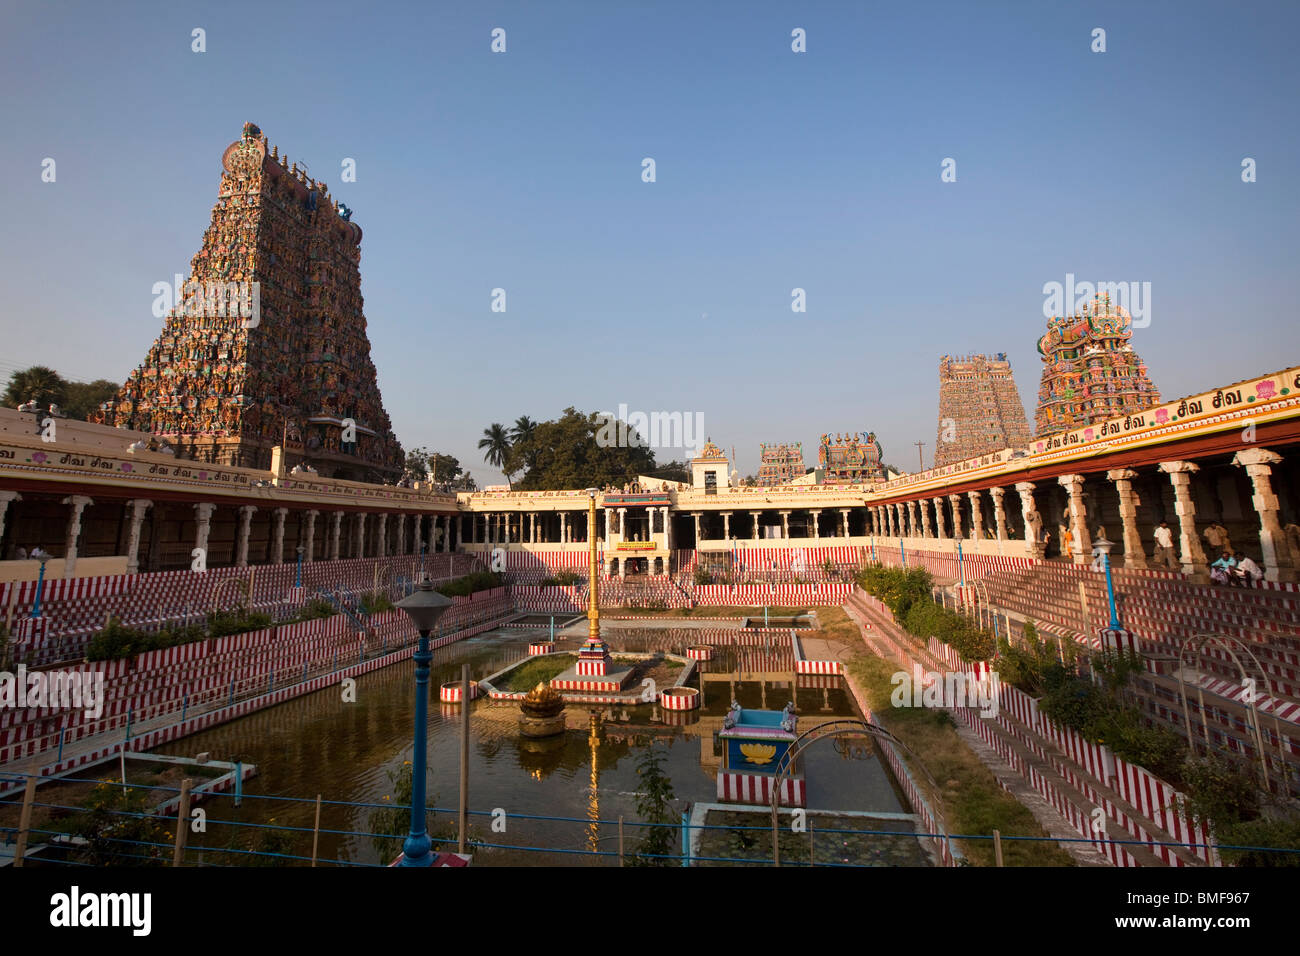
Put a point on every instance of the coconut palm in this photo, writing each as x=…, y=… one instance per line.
x=38, y=383
x=523, y=429
x=496, y=445
x=522, y=441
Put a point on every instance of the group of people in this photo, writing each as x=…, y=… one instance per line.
x=1229, y=569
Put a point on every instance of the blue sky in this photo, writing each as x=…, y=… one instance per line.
x=775, y=170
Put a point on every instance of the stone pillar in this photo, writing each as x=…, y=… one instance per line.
x=277, y=536
x=1033, y=520
x=955, y=501
x=532, y=527
x=1134, y=554
x=663, y=518
x=785, y=526
x=844, y=515
x=381, y=536
x=138, y=508
x=203, y=527
x=726, y=526
x=564, y=527
x=924, y=507
x=1191, y=553
x=399, y=545
x=817, y=533
x=450, y=543
x=940, y=523
x=309, y=554
x=78, y=503
x=335, y=532
x=1081, y=548
x=1259, y=462
x=360, y=547
x=756, y=515
x=622, y=530
x=976, y=515
x=999, y=511
x=5, y=498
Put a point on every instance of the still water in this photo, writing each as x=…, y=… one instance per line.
x=320, y=744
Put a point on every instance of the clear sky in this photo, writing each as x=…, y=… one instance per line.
x=775, y=170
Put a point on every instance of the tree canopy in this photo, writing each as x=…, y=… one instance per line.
x=564, y=454
x=46, y=386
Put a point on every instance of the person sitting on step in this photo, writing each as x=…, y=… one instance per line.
x=1221, y=570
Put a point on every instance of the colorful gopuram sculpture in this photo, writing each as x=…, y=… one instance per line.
x=979, y=408
x=780, y=463
x=266, y=344
x=849, y=459
x=1090, y=372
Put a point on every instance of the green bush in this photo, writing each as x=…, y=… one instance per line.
x=317, y=608
x=899, y=589
x=236, y=621
x=1280, y=834
x=375, y=602
x=703, y=576
x=471, y=583
x=117, y=641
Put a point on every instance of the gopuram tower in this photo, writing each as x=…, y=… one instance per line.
x=1090, y=372
x=266, y=344
x=979, y=408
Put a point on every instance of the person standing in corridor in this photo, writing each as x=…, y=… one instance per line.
x=1165, y=547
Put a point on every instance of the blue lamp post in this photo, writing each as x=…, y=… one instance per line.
x=1104, y=546
x=961, y=567
x=902, y=553
x=297, y=581
x=40, y=588
x=424, y=605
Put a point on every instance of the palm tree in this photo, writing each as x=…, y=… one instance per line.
x=522, y=437
x=523, y=430
x=38, y=383
x=496, y=441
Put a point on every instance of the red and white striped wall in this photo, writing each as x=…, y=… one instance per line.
x=757, y=788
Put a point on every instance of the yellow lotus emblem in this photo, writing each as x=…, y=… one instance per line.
x=758, y=753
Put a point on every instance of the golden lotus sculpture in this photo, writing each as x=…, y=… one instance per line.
x=541, y=712
x=758, y=753
x=542, y=701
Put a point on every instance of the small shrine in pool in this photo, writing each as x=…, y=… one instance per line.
x=755, y=751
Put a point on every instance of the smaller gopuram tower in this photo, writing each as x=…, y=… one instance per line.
x=1090, y=372
x=980, y=410
x=780, y=463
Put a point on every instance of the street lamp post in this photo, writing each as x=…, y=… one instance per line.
x=40, y=588
x=425, y=606
x=1104, y=546
x=297, y=581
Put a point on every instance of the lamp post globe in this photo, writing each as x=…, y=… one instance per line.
x=424, y=606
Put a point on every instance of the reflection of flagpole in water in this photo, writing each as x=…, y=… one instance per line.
x=593, y=799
